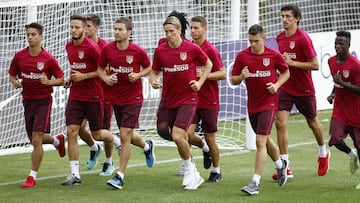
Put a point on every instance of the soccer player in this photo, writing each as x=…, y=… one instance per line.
x=208, y=106
x=177, y=59
x=125, y=60
x=92, y=28
x=258, y=66
x=345, y=70
x=86, y=94
x=162, y=113
x=296, y=47
x=35, y=67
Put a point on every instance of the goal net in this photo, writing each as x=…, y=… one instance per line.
x=227, y=21
x=148, y=17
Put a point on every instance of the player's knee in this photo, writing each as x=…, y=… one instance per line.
x=165, y=134
x=280, y=124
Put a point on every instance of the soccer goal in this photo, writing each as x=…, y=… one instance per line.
x=228, y=22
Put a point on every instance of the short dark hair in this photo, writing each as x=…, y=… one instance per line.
x=183, y=21
x=343, y=33
x=36, y=26
x=78, y=17
x=199, y=19
x=126, y=21
x=255, y=29
x=94, y=18
x=294, y=9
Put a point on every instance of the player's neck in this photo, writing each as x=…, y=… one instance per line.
x=78, y=41
x=123, y=45
x=176, y=43
x=259, y=51
x=199, y=41
x=290, y=31
x=341, y=58
x=95, y=38
x=34, y=50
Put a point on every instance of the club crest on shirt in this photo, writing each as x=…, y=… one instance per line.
x=81, y=54
x=266, y=61
x=129, y=59
x=346, y=73
x=292, y=44
x=183, y=56
x=40, y=65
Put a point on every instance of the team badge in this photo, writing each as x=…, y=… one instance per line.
x=346, y=73
x=129, y=59
x=81, y=54
x=183, y=56
x=40, y=65
x=292, y=44
x=266, y=61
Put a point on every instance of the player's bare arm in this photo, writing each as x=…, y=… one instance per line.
x=55, y=82
x=283, y=77
x=236, y=79
x=352, y=87
x=217, y=75
x=135, y=76
x=15, y=81
x=77, y=76
x=154, y=75
x=110, y=80
x=196, y=85
x=313, y=64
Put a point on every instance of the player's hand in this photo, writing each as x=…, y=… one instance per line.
x=195, y=85
x=330, y=98
x=67, y=83
x=288, y=59
x=77, y=76
x=133, y=77
x=155, y=84
x=245, y=72
x=271, y=87
x=337, y=79
x=44, y=79
x=111, y=80
x=17, y=83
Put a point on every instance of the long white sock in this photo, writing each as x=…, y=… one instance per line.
x=187, y=163
x=121, y=174
x=322, y=151
x=352, y=154
x=33, y=174
x=147, y=147
x=278, y=164
x=285, y=157
x=94, y=147
x=74, y=166
x=56, y=142
x=216, y=169
x=109, y=160
x=205, y=148
x=117, y=142
x=256, y=178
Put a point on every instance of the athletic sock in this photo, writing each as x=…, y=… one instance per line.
x=56, y=142
x=322, y=151
x=33, y=174
x=205, y=148
x=74, y=165
x=256, y=178
x=94, y=147
x=147, y=147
